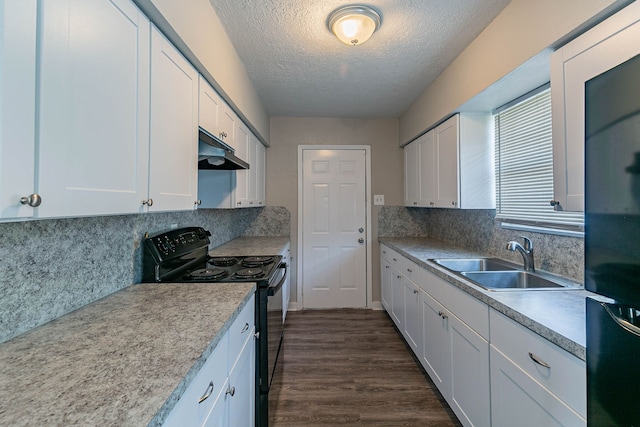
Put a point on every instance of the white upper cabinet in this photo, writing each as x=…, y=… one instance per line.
x=17, y=108
x=93, y=108
x=411, y=174
x=603, y=47
x=452, y=166
x=228, y=125
x=210, y=107
x=173, y=156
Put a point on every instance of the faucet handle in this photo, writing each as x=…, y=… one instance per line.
x=528, y=246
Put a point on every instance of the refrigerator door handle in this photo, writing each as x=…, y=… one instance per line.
x=623, y=323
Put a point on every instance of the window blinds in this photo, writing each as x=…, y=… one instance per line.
x=524, y=166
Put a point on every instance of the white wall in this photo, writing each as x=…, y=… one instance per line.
x=523, y=29
x=197, y=31
x=387, y=164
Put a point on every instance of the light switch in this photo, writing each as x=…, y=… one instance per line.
x=378, y=199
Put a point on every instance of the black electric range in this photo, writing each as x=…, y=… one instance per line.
x=181, y=256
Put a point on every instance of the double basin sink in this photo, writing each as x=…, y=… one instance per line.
x=494, y=274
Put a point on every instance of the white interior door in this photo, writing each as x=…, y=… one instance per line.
x=334, y=247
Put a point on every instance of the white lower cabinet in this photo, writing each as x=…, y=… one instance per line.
x=223, y=392
x=533, y=382
x=518, y=378
x=457, y=360
x=412, y=315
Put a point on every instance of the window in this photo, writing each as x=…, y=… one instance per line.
x=524, y=167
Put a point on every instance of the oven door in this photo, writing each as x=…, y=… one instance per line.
x=274, y=322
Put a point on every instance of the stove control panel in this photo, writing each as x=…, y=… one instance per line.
x=176, y=243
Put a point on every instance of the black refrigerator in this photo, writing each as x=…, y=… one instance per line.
x=612, y=245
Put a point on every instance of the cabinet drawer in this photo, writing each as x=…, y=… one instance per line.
x=412, y=271
x=241, y=330
x=211, y=380
x=566, y=375
x=384, y=252
x=395, y=259
x=471, y=311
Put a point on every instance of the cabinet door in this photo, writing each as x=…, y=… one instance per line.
x=517, y=399
x=241, y=389
x=243, y=177
x=412, y=315
x=426, y=160
x=446, y=152
x=209, y=108
x=93, y=108
x=411, y=174
x=598, y=50
x=397, y=299
x=470, y=390
x=173, y=159
x=17, y=106
x=386, y=283
x=227, y=122
x=436, y=353
x=260, y=170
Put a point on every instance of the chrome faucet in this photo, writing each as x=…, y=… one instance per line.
x=526, y=252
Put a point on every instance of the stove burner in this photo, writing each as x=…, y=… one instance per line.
x=257, y=261
x=223, y=261
x=249, y=272
x=207, y=274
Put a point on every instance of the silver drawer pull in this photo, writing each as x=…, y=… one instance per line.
x=539, y=361
x=245, y=329
x=415, y=291
x=395, y=260
x=231, y=391
x=207, y=393
x=409, y=270
x=443, y=315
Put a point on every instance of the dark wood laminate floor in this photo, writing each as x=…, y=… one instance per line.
x=350, y=367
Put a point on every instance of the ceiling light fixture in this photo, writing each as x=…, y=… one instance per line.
x=353, y=25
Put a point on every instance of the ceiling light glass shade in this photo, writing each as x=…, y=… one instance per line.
x=353, y=25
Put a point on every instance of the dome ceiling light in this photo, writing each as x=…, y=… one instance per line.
x=353, y=25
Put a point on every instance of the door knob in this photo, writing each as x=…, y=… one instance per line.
x=361, y=240
x=33, y=200
x=148, y=202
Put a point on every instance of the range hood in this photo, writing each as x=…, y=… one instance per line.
x=215, y=154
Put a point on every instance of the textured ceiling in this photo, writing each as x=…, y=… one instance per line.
x=300, y=69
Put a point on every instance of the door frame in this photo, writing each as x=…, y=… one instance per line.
x=367, y=191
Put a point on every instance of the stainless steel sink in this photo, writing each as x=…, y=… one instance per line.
x=474, y=264
x=516, y=280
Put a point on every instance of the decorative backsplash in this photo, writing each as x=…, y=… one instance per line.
x=52, y=267
x=478, y=230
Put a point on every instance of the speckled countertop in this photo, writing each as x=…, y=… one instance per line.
x=258, y=246
x=126, y=359
x=556, y=315
x=121, y=361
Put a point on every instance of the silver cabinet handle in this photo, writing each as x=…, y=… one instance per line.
x=443, y=314
x=415, y=203
x=415, y=291
x=554, y=203
x=432, y=203
x=32, y=200
x=231, y=391
x=246, y=327
x=207, y=393
x=395, y=260
x=198, y=202
x=386, y=266
x=256, y=335
x=539, y=361
x=384, y=252
x=399, y=277
x=409, y=270
x=223, y=135
x=148, y=202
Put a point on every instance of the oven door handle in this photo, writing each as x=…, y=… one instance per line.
x=275, y=288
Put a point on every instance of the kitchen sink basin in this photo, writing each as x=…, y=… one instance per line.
x=474, y=264
x=515, y=280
